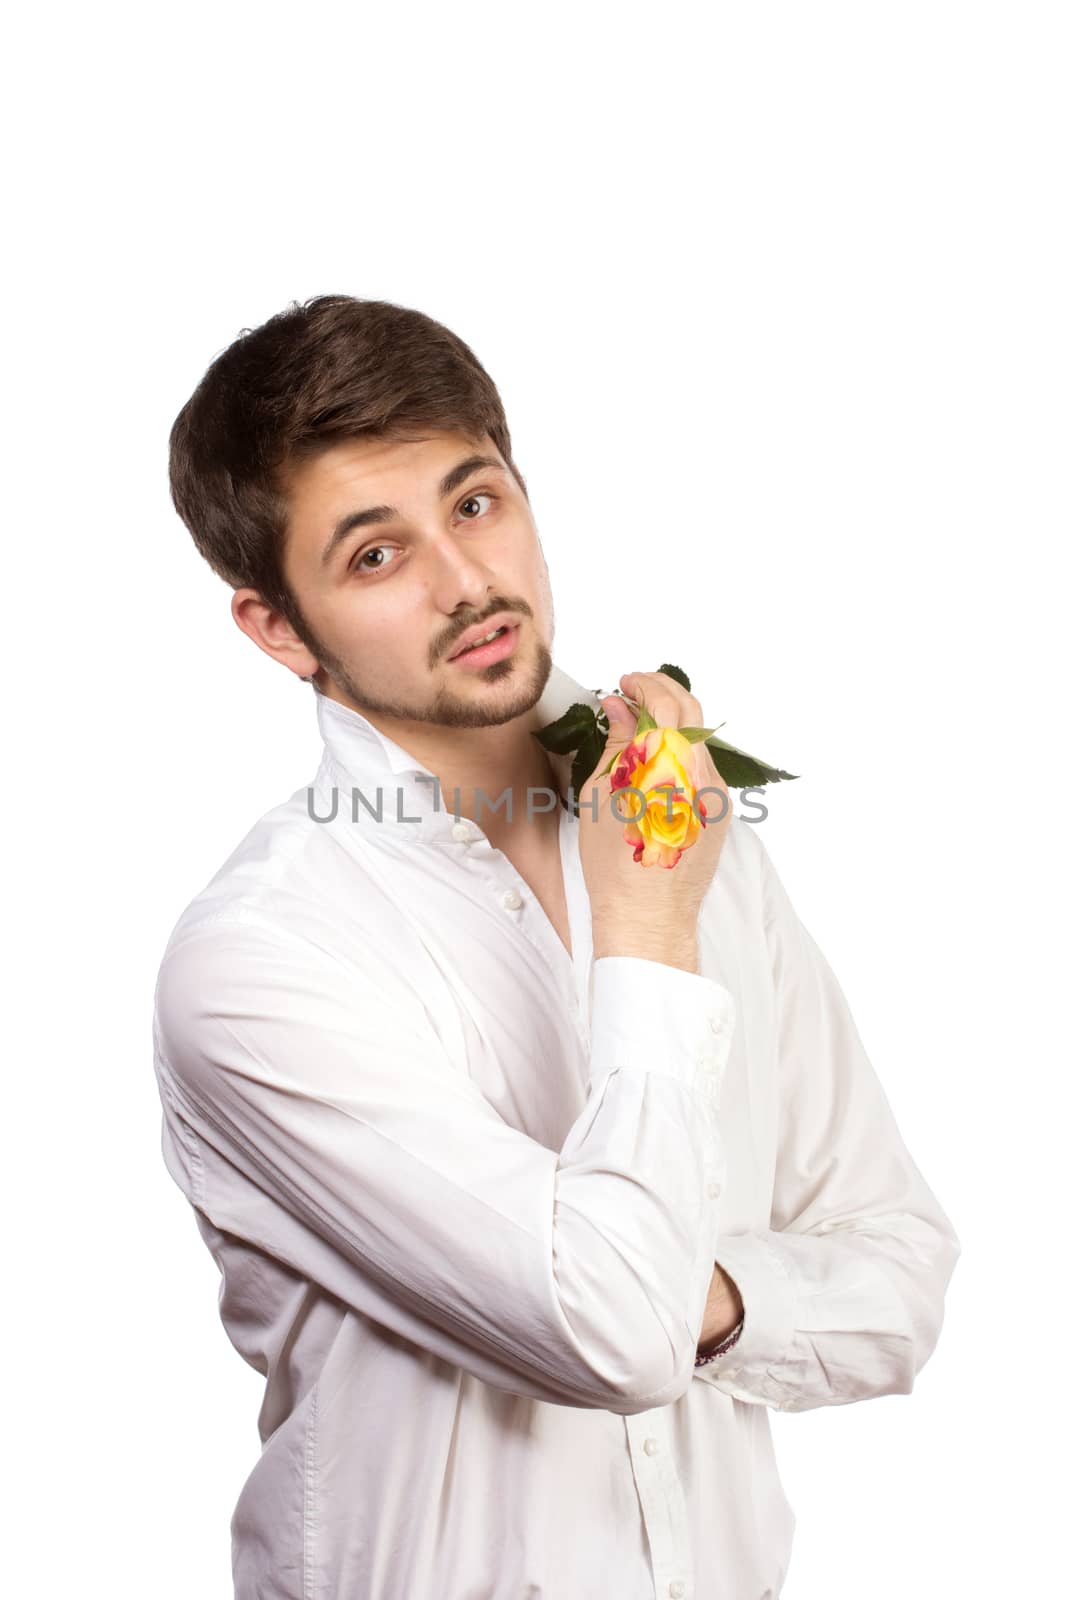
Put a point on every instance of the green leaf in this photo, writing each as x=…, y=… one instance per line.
x=678, y=675
x=585, y=759
x=739, y=770
x=568, y=731
x=584, y=730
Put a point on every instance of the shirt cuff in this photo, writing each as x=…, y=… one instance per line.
x=769, y=1319
x=658, y=1018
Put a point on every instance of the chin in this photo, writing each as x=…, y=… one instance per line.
x=500, y=692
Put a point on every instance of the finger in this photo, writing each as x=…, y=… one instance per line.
x=621, y=721
x=664, y=698
x=654, y=689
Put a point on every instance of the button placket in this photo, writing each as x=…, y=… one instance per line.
x=713, y=1059
x=662, y=1501
x=710, y=1077
x=534, y=924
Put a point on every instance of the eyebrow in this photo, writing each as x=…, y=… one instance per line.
x=375, y=515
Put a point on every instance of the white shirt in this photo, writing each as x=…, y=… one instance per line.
x=466, y=1193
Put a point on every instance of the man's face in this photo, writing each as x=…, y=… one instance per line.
x=385, y=599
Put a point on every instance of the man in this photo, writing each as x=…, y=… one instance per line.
x=535, y=1177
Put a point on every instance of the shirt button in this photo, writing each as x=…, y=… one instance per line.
x=651, y=1446
x=462, y=831
x=512, y=899
x=714, y=1190
x=717, y=1024
x=729, y=1372
x=676, y=1589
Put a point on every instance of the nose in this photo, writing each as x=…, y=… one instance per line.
x=456, y=578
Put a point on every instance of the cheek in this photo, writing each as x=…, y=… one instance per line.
x=542, y=594
x=548, y=614
x=371, y=636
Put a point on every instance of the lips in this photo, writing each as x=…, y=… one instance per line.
x=478, y=632
x=487, y=655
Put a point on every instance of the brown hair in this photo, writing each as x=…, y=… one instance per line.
x=332, y=368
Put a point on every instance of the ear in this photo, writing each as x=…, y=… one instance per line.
x=272, y=632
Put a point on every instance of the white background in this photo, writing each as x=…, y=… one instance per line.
x=774, y=297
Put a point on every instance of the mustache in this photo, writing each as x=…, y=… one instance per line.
x=518, y=606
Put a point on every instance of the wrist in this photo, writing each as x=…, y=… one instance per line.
x=708, y=1352
x=676, y=948
x=723, y=1310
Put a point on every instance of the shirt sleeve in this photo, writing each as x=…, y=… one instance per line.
x=314, y=1112
x=844, y=1293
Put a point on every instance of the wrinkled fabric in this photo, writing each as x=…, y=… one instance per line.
x=466, y=1191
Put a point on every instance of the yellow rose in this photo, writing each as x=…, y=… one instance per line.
x=660, y=756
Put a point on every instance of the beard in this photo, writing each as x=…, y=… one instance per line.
x=443, y=708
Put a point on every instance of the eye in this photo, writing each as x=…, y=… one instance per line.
x=374, y=549
x=471, y=498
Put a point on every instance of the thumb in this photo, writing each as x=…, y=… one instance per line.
x=621, y=721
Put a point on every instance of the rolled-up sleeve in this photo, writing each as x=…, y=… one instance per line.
x=314, y=1112
x=844, y=1292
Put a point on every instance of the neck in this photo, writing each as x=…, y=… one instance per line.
x=479, y=767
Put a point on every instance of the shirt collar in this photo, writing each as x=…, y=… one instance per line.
x=356, y=754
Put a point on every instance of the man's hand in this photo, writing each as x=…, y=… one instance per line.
x=650, y=912
x=722, y=1310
